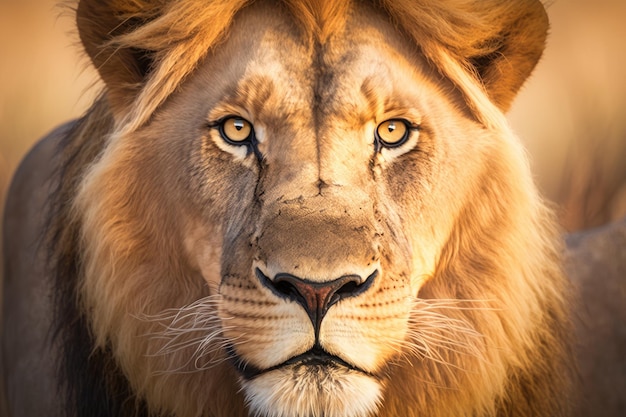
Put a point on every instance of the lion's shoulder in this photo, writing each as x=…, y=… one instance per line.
x=29, y=360
x=596, y=262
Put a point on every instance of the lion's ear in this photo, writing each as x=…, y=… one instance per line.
x=500, y=40
x=122, y=68
x=513, y=50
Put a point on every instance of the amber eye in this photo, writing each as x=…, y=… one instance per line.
x=392, y=133
x=235, y=130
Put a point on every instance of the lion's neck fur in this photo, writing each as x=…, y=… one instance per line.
x=90, y=379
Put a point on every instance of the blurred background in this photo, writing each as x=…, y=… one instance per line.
x=571, y=114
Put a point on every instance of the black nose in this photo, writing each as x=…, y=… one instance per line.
x=316, y=297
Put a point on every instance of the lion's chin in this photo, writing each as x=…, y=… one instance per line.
x=313, y=390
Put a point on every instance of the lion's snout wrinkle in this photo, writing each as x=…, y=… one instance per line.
x=318, y=239
x=317, y=297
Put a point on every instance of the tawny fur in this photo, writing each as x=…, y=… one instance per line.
x=482, y=331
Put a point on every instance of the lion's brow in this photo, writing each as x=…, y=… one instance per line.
x=250, y=93
x=379, y=98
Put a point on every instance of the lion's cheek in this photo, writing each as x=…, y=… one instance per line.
x=202, y=246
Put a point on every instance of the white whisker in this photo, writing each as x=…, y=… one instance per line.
x=194, y=332
x=441, y=329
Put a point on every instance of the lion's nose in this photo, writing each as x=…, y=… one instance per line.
x=314, y=296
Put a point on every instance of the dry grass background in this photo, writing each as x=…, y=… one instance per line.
x=572, y=113
x=42, y=76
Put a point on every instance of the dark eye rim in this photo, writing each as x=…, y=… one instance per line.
x=251, y=142
x=219, y=125
x=381, y=143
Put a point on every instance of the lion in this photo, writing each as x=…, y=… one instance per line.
x=299, y=208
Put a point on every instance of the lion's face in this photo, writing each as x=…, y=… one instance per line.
x=324, y=228
x=297, y=198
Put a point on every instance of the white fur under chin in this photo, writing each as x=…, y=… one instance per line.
x=313, y=391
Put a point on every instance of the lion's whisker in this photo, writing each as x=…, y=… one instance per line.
x=435, y=335
x=195, y=326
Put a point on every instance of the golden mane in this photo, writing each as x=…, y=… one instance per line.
x=177, y=35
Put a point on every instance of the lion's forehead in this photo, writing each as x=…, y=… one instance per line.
x=285, y=65
x=327, y=81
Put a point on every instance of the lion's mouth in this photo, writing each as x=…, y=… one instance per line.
x=315, y=358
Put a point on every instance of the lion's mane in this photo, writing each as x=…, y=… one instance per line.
x=503, y=244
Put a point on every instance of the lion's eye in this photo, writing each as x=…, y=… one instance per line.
x=392, y=133
x=235, y=130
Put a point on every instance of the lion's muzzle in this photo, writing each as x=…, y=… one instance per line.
x=316, y=297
